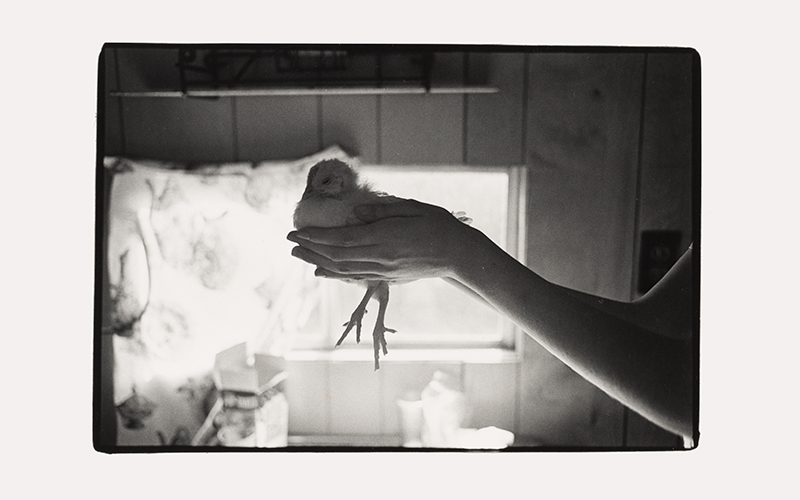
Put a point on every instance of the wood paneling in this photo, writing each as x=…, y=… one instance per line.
x=352, y=123
x=193, y=130
x=582, y=142
x=491, y=391
x=494, y=121
x=582, y=129
x=308, y=396
x=448, y=69
x=666, y=171
x=142, y=69
x=665, y=196
x=560, y=408
x=355, y=398
x=421, y=129
x=276, y=128
x=113, y=137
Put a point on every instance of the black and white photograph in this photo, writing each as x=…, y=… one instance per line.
x=404, y=248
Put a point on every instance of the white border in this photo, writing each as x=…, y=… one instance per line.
x=748, y=337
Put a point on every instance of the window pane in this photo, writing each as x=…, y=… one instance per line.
x=483, y=195
x=432, y=311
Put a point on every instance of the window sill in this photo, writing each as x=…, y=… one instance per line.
x=346, y=440
x=406, y=355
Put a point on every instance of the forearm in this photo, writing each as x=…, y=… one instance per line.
x=469, y=291
x=646, y=371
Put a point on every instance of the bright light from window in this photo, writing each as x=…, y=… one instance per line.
x=432, y=312
x=218, y=267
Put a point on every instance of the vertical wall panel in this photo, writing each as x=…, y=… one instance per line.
x=351, y=122
x=668, y=112
x=113, y=145
x=494, y=121
x=275, y=128
x=582, y=138
x=148, y=68
x=582, y=141
x=665, y=199
x=559, y=407
x=421, y=129
x=491, y=390
x=448, y=69
x=309, y=401
x=194, y=130
x=355, y=398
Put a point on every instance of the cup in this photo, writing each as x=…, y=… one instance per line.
x=231, y=435
x=410, y=413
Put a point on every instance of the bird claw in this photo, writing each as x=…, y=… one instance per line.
x=355, y=321
x=379, y=341
x=378, y=333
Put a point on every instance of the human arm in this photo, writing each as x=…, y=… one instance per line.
x=616, y=346
x=620, y=347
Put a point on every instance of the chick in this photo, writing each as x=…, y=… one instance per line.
x=333, y=190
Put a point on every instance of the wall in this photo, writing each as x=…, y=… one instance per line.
x=666, y=175
x=393, y=129
x=604, y=137
x=582, y=135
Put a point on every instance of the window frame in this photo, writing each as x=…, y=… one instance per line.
x=442, y=347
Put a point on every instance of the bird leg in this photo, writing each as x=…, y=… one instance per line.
x=378, y=337
x=358, y=314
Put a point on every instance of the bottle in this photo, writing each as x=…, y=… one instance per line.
x=443, y=412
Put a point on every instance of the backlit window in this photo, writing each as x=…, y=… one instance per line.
x=432, y=313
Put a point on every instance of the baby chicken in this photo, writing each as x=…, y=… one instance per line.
x=332, y=192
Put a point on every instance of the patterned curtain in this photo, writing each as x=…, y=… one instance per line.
x=198, y=262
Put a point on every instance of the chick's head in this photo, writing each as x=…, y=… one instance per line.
x=330, y=178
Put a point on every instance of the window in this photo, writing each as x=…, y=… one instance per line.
x=432, y=313
x=199, y=261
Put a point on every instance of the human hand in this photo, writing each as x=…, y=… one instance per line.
x=400, y=241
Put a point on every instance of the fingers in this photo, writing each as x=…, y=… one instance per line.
x=363, y=234
x=398, y=208
x=325, y=273
x=343, y=253
x=340, y=268
x=345, y=236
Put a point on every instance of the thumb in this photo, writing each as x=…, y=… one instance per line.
x=377, y=211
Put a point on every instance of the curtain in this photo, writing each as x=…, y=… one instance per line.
x=198, y=262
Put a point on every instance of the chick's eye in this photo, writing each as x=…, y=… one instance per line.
x=326, y=181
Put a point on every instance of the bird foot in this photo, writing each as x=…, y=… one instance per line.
x=355, y=321
x=379, y=341
x=381, y=290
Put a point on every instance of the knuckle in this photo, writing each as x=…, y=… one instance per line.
x=343, y=268
x=348, y=239
x=333, y=253
x=382, y=255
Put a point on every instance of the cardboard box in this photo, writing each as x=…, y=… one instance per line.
x=255, y=412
